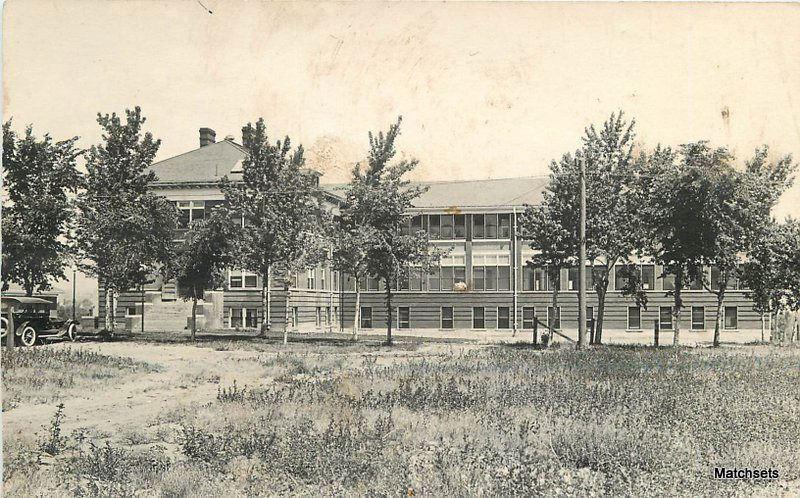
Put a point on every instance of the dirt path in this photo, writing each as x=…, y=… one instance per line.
x=186, y=374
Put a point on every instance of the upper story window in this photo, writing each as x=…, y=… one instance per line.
x=443, y=226
x=491, y=226
x=242, y=279
x=191, y=211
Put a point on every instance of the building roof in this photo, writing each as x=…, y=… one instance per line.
x=488, y=193
x=209, y=164
x=202, y=165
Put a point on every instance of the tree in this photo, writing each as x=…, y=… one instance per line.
x=40, y=179
x=124, y=233
x=772, y=269
x=202, y=258
x=280, y=211
x=382, y=198
x=735, y=210
x=555, y=245
x=352, y=240
x=613, y=232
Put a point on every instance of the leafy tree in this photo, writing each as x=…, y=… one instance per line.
x=352, y=239
x=202, y=258
x=281, y=213
x=735, y=210
x=772, y=270
x=40, y=179
x=555, y=246
x=382, y=198
x=124, y=233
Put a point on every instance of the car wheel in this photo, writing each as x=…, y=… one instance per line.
x=72, y=332
x=28, y=336
x=3, y=327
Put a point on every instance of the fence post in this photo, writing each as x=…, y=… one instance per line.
x=535, y=330
x=655, y=332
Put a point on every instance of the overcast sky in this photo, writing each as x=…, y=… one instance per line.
x=485, y=90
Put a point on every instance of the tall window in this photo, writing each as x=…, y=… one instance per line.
x=716, y=280
x=478, y=321
x=369, y=284
x=311, y=282
x=251, y=317
x=634, y=318
x=665, y=318
x=554, y=317
x=669, y=281
x=236, y=318
x=434, y=223
x=366, y=317
x=503, y=317
x=323, y=284
x=403, y=317
x=491, y=226
x=504, y=221
x=528, y=317
x=478, y=231
x=620, y=275
x=447, y=226
x=460, y=226
x=648, y=277
x=731, y=318
x=191, y=211
x=698, y=318
x=447, y=317
x=491, y=272
x=453, y=270
x=295, y=317
x=319, y=316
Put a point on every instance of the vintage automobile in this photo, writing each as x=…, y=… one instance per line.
x=32, y=321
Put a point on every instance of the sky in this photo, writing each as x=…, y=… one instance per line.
x=485, y=89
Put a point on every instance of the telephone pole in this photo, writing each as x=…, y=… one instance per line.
x=582, y=342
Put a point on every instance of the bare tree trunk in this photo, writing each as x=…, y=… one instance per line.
x=676, y=309
x=762, y=326
x=194, y=313
x=551, y=322
x=601, y=313
x=267, y=325
x=718, y=321
x=357, y=314
x=286, y=327
x=388, y=313
x=108, y=318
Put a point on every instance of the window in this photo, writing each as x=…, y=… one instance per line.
x=491, y=277
x=698, y=318
x=251, y=317
x=335, y=314
x=448, y=276
x=433, y=279
x=541, y=280
x=295, y=316
x=415, y=279
x=416, y=224
x=634, y=318
x=236, y=318
x=528, y=317
x=594, y=275
x=335, y=280
x=190, y=211
x=478, y=278
x=696, y=283
x=716, y=280
x=503, y=320
x=620, y=275
x=503, y=278
x=572, y=278
x=477, y=226
x=527, y=278
x=460, y=231
x=434, y=226
x=554, y=319
x=319, y=316
x=403, y=317
x=447, y=317
x=310, y=279
x=478, y=321
x=369, y=284
x=491, y=226
x=322, y=283
x=504, y=231
x=589, y=317
x=648, y=277
x=446, y=231
x=240, y=279
x=731, y=318
x=131, y=311
x=366, y=317
x=665, y=318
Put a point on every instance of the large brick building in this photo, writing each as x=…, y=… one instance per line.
x=475, y=220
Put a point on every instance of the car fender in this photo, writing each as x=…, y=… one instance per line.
x=21, y=327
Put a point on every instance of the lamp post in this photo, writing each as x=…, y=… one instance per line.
x=582, y=342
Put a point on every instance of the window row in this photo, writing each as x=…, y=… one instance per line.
x=698, y=318
x=314, y=279
x=454, y=226
x=402, y=317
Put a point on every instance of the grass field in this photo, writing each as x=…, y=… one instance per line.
x=242, y=418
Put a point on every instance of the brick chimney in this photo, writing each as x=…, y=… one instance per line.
x=207, y=136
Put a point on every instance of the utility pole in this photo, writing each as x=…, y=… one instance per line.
x=582, y=342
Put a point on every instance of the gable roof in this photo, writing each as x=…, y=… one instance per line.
x=202, y=165
x=488, y=193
